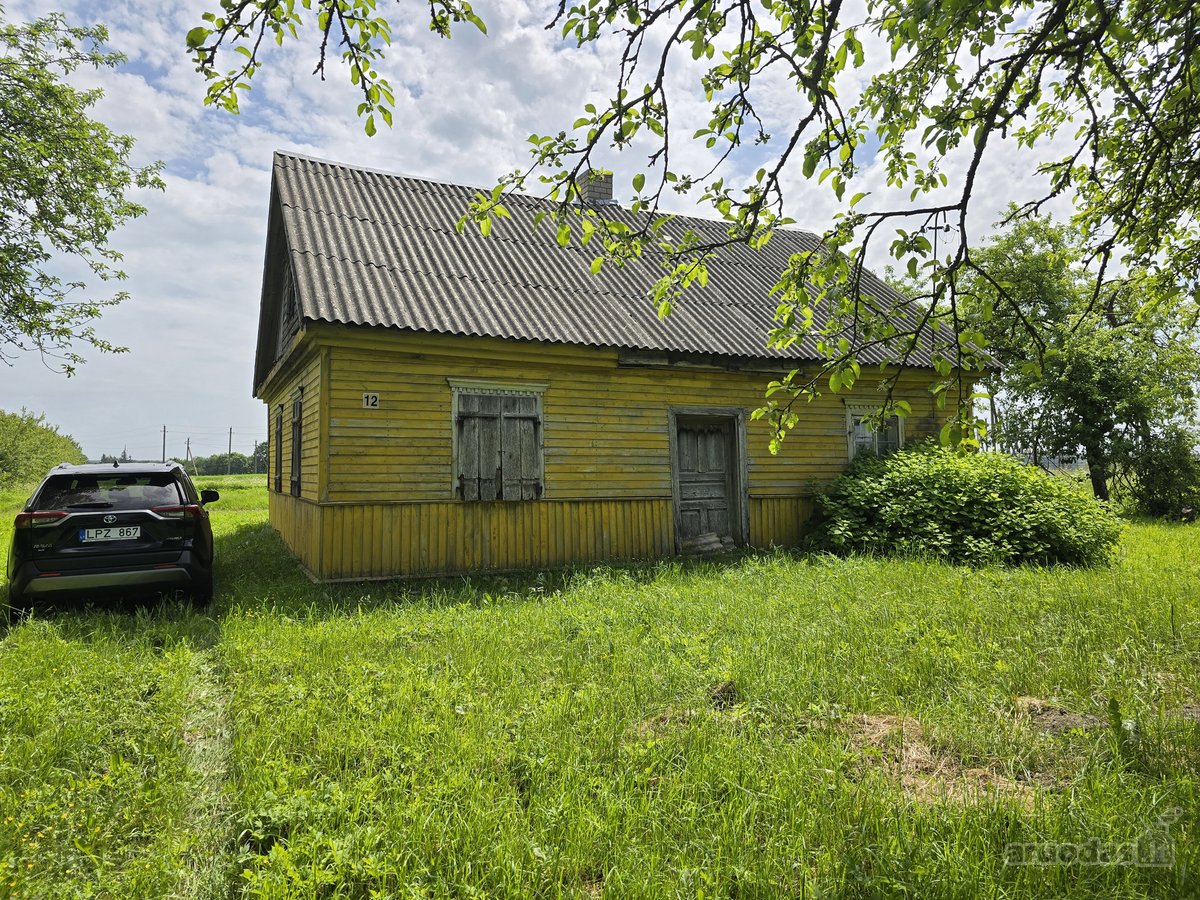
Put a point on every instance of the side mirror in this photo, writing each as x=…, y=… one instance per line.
x=209, y=496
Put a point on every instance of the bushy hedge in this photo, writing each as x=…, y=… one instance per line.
x=975, y=508
x=30, y=446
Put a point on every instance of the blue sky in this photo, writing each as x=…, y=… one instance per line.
x=195, y=261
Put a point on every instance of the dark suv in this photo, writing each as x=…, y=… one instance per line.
x=112, y=529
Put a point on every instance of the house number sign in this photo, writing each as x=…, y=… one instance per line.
x=370, y=400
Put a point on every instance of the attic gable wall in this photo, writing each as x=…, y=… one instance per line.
x=279, y=309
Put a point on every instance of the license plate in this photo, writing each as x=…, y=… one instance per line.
x=122, y=533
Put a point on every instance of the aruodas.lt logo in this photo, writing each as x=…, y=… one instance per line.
x=1153, y=848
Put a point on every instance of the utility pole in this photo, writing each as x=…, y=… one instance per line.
x=229, y=454
x=164, y=459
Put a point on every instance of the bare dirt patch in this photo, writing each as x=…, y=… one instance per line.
x=1189, y=711
x=899, y=746
x=723, y=694
x=724, y=699
x=1049, y=717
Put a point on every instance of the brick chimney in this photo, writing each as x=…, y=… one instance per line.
x=596, y=189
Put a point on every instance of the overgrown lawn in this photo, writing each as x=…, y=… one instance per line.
x=761, y=726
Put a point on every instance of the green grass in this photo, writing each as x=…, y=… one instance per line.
x=665, y=730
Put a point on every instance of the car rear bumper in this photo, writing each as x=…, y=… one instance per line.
x=44, y=581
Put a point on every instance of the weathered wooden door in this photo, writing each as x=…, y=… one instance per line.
x=704, y=466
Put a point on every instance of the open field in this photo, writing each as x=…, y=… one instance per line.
x=763, y=726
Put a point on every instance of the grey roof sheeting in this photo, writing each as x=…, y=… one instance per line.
x=369, y=248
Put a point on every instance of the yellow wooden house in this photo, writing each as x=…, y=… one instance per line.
x=445, y=403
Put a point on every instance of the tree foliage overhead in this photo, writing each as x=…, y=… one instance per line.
x=1104, y=94
x=64, y=180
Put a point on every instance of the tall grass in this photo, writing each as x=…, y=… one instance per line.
x=688, y=730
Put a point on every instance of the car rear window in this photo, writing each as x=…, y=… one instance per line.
x=116, y=491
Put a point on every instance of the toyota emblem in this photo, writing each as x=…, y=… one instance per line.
x=108, y=520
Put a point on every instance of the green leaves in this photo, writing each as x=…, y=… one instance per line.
x=974, y=508
x=63, y=191
x=354, y=26
x=197, y=36
x=483, y=210
x=1095, y=379
x=961, y=78
x=30, y=446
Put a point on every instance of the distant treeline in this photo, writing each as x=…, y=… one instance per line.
x=232, y=463
x=30, y=446
x=217, y=464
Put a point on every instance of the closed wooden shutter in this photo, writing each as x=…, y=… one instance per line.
x=279, y=450
x=297, y=440
x=498, y=442
x=519, y=442
x=479, y=446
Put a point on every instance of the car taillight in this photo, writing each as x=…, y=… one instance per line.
x=178, y=512
x=38, y=519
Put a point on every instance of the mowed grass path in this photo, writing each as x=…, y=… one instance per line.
x=764, y=726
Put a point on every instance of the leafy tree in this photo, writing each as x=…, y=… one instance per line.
x=30, y=446
x=1083, y=376
x=1164, y=478
x=224, y=464
x=259, y=457
x=912, y=84
x=64, y=178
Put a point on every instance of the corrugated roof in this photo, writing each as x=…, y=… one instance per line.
x=369, y=248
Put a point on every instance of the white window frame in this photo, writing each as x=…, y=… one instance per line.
x=460, y=386
x=858, y=410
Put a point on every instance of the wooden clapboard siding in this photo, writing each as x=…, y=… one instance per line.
x=385, y=477
x=375, y=540
x=304, y=377
x=778, y=521
x=298, y=522
x=605, y=427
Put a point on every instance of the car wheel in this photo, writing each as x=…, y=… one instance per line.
x=202, y=591
x=18, y=606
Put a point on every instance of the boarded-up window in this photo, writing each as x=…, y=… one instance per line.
x=498, y=445
x=289, y=310
x=297, y=441
x=279, y=450
x=880, y=441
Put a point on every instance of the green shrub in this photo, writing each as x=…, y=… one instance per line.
x=30, y=447
x=975, y=508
